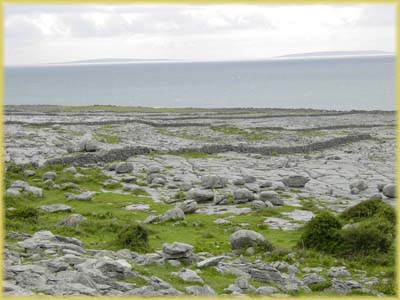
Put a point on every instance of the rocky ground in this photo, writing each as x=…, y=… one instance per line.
x=206, y=184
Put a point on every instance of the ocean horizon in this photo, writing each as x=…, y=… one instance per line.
x=337, y=83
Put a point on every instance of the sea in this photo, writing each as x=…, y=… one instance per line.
x=338, y=83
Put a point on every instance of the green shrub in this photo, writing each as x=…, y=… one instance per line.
x=364, y=210
x=366, y=239
x=322, y=233
x=320, y=286
x=134, y=237
x=26, y=214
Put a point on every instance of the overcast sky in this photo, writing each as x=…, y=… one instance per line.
x=57, y=33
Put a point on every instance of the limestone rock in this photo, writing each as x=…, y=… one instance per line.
x=242, y=239
x=295, y=181
x=177, y=250
x=213, y=182
x=55, y=208
x=389, y=190
x=188, y=206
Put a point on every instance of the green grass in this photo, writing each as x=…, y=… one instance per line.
x=196, y=155
x=310, y=133
x=103, y=135
x=106, y=218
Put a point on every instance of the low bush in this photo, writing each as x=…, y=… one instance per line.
x=322, y=233
x=133, y=237
x=365, y=239
x=367, y=209
x=26, y=214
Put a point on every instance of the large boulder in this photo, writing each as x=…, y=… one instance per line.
x=213, y=182
x=243, y=239
x=88, y=145
x=200, y=196
x=172, y=214
x=188, y=206
x=124, y=167
x=389, y=190
x=177, y=250
x=295, y=181
x=242, y=196
x=272, y=197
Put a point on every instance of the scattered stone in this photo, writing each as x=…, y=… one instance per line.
x=34, y=191
x=242, y=196
x=312, y=278
x=338, y=272
x=177, y=250
x=272, y=197
x=295, y=181
x=238, y=181
x=29, y=173
x=242, y=239
x=300, y=215
x=188, y=206
x=359, y=185
x=172, y=214
x=85, y=196
x=55, y=208
x=138, y=206
x=124, y=167
x=282, y=224
x=196, y=290
x=376, y=196
x=13, y=192
x=88, y=145
x=71, y=170
x=209, y=262
x=72, y=220
x=266, y=290
x=258, y=205
x=222, y=221
x=201, y=196
x=265, y=184
x=249, y=179
x=49, y=176
x=389, y=190
x=188, y=275
x=213, y=182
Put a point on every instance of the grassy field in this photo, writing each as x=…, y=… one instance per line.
x=105, y=218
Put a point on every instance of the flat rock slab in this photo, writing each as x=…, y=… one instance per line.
x=300, y=215
x=139, y=206
x=282, y=224
x=55, y=208
x=223, y=209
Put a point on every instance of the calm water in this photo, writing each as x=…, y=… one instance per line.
x=334, y=83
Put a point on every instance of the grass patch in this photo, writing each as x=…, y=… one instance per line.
x=196, y=155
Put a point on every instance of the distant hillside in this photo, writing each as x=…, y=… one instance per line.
x=336, y=53
x=111, y=60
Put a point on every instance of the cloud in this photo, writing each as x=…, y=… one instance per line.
x=191, y=31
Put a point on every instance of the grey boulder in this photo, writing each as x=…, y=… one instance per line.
x=296, y=181
x=242, y=239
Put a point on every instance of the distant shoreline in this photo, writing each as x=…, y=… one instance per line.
x=172, y=61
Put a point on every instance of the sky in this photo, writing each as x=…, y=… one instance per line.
x=36, y=34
